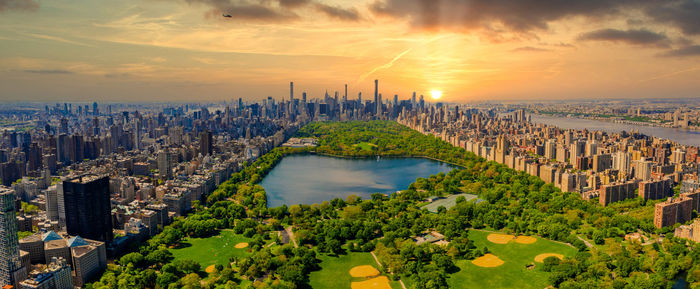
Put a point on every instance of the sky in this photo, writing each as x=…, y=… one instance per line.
x=470, y=50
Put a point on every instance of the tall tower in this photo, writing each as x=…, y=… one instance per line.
x=377, y=104
x=291, y=91
x=205, y=143
x=84, y=207
x=11, y=270
x=345, y=97
x=376, y=90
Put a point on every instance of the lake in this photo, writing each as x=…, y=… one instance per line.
x=682, y=136
x=309, y=179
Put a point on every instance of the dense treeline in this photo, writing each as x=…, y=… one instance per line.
x=514, y=202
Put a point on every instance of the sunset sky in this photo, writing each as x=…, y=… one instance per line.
x=185, y=50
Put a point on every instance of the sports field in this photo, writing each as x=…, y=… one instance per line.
x=213, y=250
x=512, y=273
x=336, y=273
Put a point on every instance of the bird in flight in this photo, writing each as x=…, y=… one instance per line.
x=227, y=15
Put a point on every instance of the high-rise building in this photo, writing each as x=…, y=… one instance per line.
x=616, y=192
x=643, y=169
x=376, y=96
x=622, y=162
x=205, y=143
x=164, y=161
x=11, y=269
x=85, y=208
x=673, y=211
x=656, y=189
x=550, y=149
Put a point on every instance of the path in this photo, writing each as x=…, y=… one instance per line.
x=291, y=236
x=588, y=244
x=380, y=265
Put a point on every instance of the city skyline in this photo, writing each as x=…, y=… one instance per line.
x=186, y=50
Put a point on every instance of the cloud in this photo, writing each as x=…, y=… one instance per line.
x=117, y=75
x=529, y=49
x=293, y=3
x=338, y=12
x=25, y=5
x=48, y=71
x=527, y=16
x=519, y=16
x=691, y=50
x=683, y=14
x=633, y=36
x=239, y=10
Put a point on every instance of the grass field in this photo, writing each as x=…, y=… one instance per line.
x=335, y=271
x=512, y=274
x=366, y=146
x=213, y=250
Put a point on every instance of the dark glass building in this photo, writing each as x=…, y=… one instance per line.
x=85, y=209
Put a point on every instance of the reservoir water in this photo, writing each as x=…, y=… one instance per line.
x=309, y=179
x=682, y=136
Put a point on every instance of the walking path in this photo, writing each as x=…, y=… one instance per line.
x=291, y=236
x=588, y=244
x=380, y=265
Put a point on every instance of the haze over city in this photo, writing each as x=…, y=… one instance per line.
x=467, y=50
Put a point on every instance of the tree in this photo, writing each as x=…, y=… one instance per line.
x=159, y=257
x=131, y=258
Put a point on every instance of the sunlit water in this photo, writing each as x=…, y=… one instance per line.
x=309, y=179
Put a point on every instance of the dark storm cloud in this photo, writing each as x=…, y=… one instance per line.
x=48, y=71
x=338, y=12
x=692, y=50
x=243, y=10
x=27, y=5
x=529, y=15
x=682, y=14
x=636, y=37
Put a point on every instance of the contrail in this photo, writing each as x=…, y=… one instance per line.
x=670, y=74
x=397, y=57
x=384, y=66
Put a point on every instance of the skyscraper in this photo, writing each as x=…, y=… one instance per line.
x=164, y=164
x=291, y=91
x=11, y=270
x=376, y=95
x=84, y=207
x=205, y=143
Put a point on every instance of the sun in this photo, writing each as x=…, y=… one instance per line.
x=436, y=94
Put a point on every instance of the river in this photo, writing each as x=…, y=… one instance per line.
x=682, y=136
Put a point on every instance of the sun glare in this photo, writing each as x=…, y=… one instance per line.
x=436, y=94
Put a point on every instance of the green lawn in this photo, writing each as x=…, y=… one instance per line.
x=213, y=250
x=512, y=274
x=366, y=146
x=335, y=274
